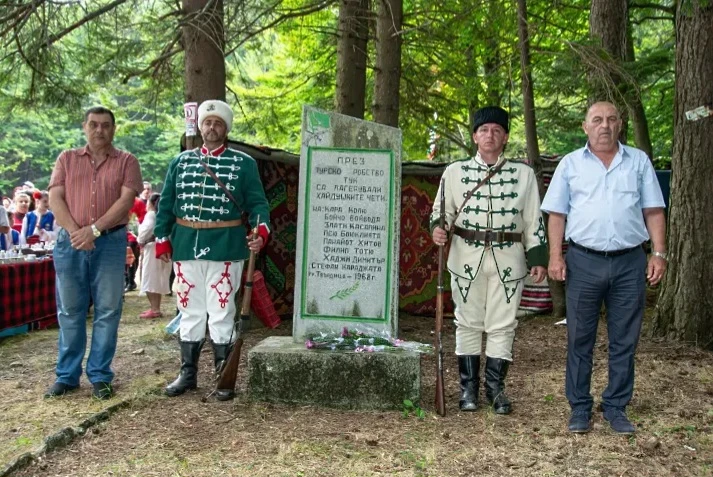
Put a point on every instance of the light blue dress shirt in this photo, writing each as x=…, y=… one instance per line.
x=604, y=206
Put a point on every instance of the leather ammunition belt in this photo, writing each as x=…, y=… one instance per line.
x=208, y=225
x=487, y=236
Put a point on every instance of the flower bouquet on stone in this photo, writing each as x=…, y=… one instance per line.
x=362, y=340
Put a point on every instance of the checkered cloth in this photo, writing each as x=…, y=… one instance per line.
x=27, y=293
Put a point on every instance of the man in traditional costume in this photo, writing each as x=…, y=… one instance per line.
x=492, y=208
x=199, y=226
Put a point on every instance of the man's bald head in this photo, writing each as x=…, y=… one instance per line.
x=602, y=125
x=601, y=105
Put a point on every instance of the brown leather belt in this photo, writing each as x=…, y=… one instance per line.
x=487, y=236
x=208, y=225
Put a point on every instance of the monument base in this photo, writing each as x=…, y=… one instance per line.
x=282, y=371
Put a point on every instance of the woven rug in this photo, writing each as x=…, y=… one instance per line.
x=418, y=273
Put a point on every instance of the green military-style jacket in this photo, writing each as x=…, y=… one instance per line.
x=191, y=194
x=508, y=202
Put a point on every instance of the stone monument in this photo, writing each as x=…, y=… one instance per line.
x=346, y=271
x=347, y=225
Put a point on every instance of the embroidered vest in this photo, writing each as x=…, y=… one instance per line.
x=46, y=223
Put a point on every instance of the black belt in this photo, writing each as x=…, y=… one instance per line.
x=487, y=236
x=113, y=229
x=604, y=253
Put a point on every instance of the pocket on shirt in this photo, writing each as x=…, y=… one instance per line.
x=628, y=184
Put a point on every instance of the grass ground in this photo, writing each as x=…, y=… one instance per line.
x=158, y=436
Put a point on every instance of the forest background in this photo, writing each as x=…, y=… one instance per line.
x=456, y=55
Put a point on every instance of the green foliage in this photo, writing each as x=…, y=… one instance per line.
x=411, y=409
x=29, y=145
x=45, y=89
x=30, y=141
x=457, y=55
x=273, y=76
x=654, y=42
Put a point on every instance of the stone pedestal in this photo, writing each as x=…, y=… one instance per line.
x=282, y=371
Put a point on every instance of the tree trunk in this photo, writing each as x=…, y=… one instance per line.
x=636, y=108
x=472, y=98
x=203, y=45
x=533, y=147
x=528, y=96
x=608, y=20
x=388, y=62
x=685, y=307
x=352, y=40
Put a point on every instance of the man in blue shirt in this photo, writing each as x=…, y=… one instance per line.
x=612, y=202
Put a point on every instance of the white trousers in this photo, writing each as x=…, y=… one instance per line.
x=205, y=293
x=486, y=305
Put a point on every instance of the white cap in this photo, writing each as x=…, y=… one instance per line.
x=214, y=107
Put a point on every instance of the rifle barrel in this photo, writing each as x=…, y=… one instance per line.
x=440, y=392
x=229, y=373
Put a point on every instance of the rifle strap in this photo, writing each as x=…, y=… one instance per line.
x=214, y=176
x=470, y=193
x=219, y=182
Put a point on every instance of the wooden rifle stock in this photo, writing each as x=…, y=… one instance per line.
x=440, y=392
x=229, y=374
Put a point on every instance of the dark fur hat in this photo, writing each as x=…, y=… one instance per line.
x=491, y=114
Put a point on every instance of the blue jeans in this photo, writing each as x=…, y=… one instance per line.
x=98, y=274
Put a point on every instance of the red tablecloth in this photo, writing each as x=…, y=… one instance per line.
x=27, y=294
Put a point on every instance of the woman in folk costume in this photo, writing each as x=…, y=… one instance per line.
x=8, y=235
x=154, y=272
x=199, y=226
x=492, y=206
x=39, y=225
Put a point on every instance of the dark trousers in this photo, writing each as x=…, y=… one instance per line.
x=620, y=283
x=130, y=272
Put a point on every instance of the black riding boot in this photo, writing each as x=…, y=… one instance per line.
x=220, y=354
x=188, y=376
x=495, y=372
x=469, y=367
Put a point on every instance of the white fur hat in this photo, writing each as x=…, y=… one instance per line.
x=214, y=107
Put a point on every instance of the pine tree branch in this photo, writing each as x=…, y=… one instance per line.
x=652, y=6
x=292, y=13
x=641, y=20
x=97, y=13
x=167, y=53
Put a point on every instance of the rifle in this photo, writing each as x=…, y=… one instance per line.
x=440, y=393
x=229, y=373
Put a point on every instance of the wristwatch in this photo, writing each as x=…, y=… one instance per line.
x=96, y=231
x=663, y=255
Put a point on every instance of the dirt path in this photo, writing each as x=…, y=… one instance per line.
x=672, y=408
